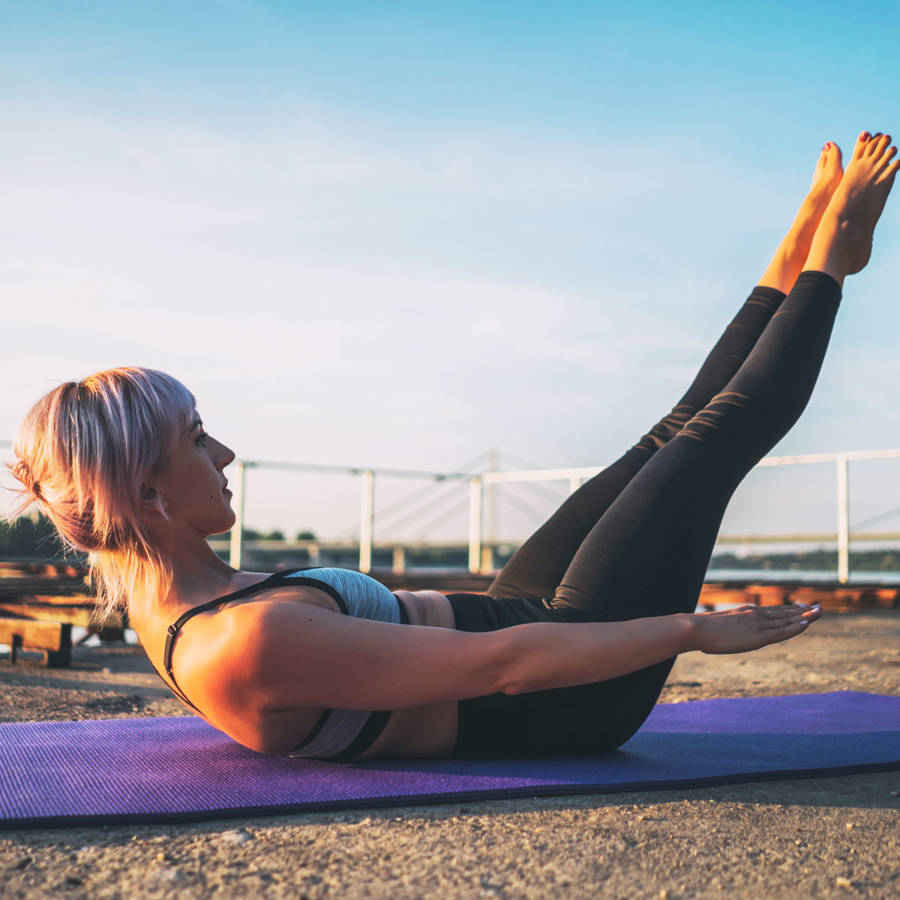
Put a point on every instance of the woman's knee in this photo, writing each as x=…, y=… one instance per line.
x=570, y=604
x=507, y=590
x=747, y=420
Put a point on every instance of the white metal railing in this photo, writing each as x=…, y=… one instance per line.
x=479, y=561
x=367, y=500
x=841, y=461
x=575, y=476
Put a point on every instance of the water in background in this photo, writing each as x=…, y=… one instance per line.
x=758, y=576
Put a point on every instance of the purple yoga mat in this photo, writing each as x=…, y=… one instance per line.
x=180, y=769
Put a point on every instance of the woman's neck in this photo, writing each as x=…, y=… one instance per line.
x=195, y=574
x=198, y=575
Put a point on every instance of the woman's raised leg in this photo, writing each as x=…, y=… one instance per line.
x=538, y=566
x=648, y=553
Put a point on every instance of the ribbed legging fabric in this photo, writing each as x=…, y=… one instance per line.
x=635, y=541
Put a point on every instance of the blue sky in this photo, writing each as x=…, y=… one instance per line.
x=399, y=234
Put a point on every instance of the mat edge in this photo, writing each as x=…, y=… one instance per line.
x=392, y=801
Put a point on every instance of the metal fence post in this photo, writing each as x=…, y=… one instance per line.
x=476, y=497
x=843, y=522
x=367, y=521
x=235, y=550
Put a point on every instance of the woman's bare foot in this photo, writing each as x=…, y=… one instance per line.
x=827, y=176
x=788, y=260
x=843, y=241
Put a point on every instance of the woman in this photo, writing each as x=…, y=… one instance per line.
x=568, y=652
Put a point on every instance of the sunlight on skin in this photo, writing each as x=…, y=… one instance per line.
x=843, y=241
x=787, y=263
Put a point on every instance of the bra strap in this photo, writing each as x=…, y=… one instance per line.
x=175, y=627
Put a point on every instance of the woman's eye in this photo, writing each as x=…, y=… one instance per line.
x=201, y=439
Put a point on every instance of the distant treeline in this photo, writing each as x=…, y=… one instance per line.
x=34, y=538
x=251, y=534
x=810, y=561
x=31, y=538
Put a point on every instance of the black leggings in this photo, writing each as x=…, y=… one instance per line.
x=635, y=541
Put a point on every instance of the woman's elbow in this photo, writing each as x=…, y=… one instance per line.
x=513, y=687
x=517, y=679
x=254, y=731
x=509, y=673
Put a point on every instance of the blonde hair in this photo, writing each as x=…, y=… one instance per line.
x=83, y=452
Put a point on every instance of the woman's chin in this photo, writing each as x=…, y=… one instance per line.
x=225, y=525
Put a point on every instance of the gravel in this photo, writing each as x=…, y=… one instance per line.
x=817, y=837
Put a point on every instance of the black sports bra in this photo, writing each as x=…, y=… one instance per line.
x=338, y=734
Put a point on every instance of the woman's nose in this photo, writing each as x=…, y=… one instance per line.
x=224, y=456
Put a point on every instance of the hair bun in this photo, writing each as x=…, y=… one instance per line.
x=22, y=471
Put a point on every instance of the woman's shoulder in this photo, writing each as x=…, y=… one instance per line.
x=195, y=639
x=243, y=614
x=250, y=591
x=220, y=652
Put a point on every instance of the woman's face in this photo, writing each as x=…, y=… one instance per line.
x=191, y=486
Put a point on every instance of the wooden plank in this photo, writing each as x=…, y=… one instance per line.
x=76, y=600
x=42, y=578
x=73, y=615
x=54, y=638
x=9, y=587
x=40, y=570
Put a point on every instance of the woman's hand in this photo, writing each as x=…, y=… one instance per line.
x=750, y=627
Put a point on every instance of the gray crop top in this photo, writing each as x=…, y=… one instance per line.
x=339, y=733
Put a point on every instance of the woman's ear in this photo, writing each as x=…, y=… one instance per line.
x=152, y=501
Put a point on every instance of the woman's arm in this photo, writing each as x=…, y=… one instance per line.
x=278, y=656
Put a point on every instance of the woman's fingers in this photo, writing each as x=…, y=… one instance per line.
x=749, y=627
x=794, y=611
x=787, y=620
x=794, y=620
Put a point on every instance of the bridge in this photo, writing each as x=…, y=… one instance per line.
x=481, y=477
x=481, y=551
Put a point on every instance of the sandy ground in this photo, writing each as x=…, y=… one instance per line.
x=817, y=837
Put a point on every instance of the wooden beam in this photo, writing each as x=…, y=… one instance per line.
x=74, y=615
x=75, y=609
x=54, y=638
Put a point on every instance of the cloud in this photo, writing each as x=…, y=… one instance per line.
x=340, y=291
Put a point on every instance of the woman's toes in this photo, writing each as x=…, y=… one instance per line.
x=831, y=148
x=828, y=171
x=834, y=153
x=876, y=145
x=889, y=172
